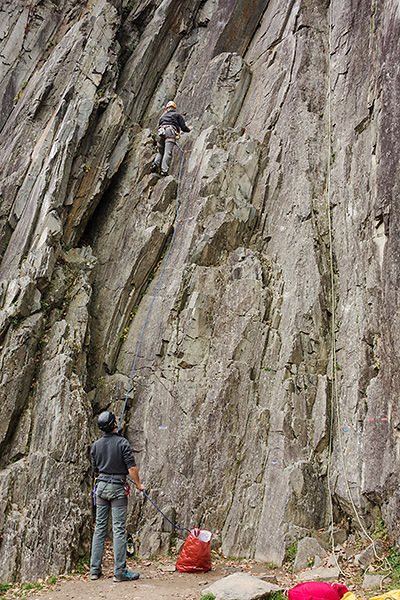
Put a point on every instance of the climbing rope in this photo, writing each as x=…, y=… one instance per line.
x=334, y=384
x=159, y=510
x=158, y=285
x=165, y=516
x=332, y=284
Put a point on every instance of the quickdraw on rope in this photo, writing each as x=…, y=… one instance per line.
x=159, y=510
x=158, y=285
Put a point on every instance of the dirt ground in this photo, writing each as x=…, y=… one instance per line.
x=153, y=584
x=158, y=581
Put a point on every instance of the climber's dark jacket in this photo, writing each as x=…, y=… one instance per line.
x=173, y=118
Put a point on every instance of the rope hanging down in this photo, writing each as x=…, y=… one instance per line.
x=165, y=517
x=159, y=510
x=334, y=384
x=334, y=392
x=157, y=288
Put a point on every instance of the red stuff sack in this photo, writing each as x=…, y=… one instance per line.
x=317, y=590
x=195, y=556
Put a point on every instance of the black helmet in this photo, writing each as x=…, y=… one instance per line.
x=106, y=420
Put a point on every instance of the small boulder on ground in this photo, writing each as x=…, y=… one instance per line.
x=371, y=581
x=320, y=574
x=307, y=549
x=240, y=586
x=369, y=554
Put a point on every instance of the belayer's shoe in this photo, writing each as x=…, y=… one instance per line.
x=127, y=576
x=95, y=576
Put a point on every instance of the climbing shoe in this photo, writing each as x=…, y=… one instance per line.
x=154, y=169
x=164, y=173
x=127, y=576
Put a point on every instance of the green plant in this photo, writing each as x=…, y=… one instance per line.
x=124, y=334
x=277, y=596
x=4, y=587
x=380, y=530
x=208, y=597
x=393, y=558
x=44, y=306
x=125, y=331
x=82, y=566
x=270, y=565
x=18, y=96
x=31, y=586
x=52, y=580
x=290, y=553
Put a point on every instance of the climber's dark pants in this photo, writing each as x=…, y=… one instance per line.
x=165, y=144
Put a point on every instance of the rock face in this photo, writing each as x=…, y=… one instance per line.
x=268, y=373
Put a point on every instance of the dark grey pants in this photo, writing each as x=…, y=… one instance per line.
x=165, y=145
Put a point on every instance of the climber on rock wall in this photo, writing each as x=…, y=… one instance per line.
x=112, y=458
x=169, y=127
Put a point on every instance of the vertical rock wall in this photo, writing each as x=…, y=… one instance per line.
x=259, y=390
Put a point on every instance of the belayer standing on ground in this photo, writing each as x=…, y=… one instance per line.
x=112, y=458
x=169, y=127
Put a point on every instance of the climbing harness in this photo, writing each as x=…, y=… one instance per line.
x=162, y=131
x=158, y=285
x=127, y=487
